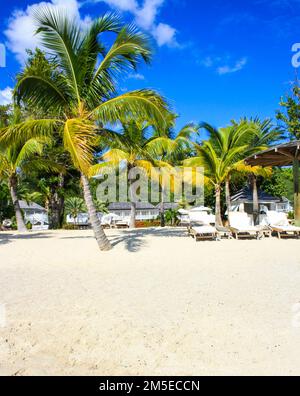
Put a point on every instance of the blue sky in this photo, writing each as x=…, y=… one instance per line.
x=214, y=60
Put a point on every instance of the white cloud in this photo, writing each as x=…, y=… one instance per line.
x=6, y=96
x=20, y=32
x=239, y=65
x=146, y=17
x=122, y=5
x=136, y=76
x=165, y=35
x=21, y=27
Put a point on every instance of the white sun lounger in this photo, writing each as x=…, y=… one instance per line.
x=205, y=232
x=278, y=222
x=241, y=227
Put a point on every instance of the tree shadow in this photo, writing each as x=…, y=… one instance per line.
x=134, y=240
x=7, y=237
x=4, y=241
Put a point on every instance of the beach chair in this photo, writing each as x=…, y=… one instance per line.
x=123, y=223
x=278, y=222
x=224, y=232
x=204, y=232
x=241, y=227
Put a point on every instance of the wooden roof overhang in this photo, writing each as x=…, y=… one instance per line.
x=282, y=155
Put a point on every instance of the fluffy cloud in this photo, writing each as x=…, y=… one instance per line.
x=165, y=35
x=6, y=96
x=21, y=28
x=122, y=5
x=145, y=16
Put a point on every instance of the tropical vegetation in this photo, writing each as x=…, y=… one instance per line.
x=68, y=121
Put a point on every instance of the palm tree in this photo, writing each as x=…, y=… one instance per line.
x=219, y=155
x=136, y=147
x=265, y=135
x=81, y=90
x=22, y=158
x=74, y=206
x=179, y=148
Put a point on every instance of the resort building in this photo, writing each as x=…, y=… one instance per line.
x=144, y=211
x=35, y=214
x=243, y=202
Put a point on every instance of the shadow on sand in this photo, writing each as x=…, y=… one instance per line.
x=134, y=240
x=6, y=237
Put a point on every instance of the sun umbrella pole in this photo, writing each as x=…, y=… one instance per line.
x=296, y=192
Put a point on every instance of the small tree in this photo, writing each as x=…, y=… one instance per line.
x=74, y=206
x=289, y=116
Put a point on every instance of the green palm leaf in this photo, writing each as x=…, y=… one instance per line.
x=143, y=104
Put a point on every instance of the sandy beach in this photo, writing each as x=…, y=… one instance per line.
x=158, y=304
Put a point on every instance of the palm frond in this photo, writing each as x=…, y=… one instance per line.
x=79, y=138
x=41, y=91
x=22, y=132
x=143, y=104
x=130, y=46
x=29, y=149
x=42, y=165
x=62, y=37
x=115, y=156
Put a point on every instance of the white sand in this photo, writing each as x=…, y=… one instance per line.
x=158, y=304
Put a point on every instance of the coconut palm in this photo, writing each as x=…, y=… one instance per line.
x=136, y=147
x=219, y=155
x=82, y=92
x=181, y=147
x=22, y=158
x=265, y=135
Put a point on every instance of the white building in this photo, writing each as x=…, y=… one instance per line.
x=144, y=211
x=35, y=214
x=243, y=201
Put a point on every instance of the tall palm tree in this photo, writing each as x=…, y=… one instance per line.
x=180, y=148
x=219, y=155
x=22, y=158
x=82, y=92
x=137, y=147
x=265, y=135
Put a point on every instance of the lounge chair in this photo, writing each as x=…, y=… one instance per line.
x=224, y=232
x=241, y=227
x=123, y=223
x=204, y=232
x=278, y=222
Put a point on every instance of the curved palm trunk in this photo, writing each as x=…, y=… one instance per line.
x=255, y=200
x=228, y=197
x=13, y=192
x=162, y=211
x=218, y=207
x=56, y=206
x=132, y=224
x=100, y=236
